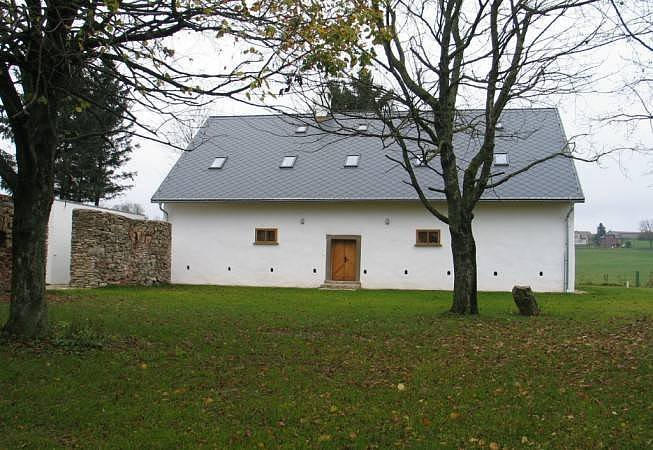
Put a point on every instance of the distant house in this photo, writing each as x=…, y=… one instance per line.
x=582, y=238
x=609, y=240
x=273, y=201
x=623, y=236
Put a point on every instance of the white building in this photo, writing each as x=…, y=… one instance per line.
x=60, y=227
x=262, y=201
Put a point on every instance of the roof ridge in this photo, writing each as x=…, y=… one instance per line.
x=271, y=115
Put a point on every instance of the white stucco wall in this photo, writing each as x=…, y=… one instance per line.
x=60, y=229
x=518, y=241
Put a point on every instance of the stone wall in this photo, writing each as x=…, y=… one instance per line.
x=112, y=249
x=6, y=217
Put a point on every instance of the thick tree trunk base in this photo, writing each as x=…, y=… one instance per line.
x=27, y=322
x=525, y=301
x=465, y=293
x=28, y=311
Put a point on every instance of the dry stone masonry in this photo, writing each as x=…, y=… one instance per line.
x=111, y=249
x=6, y=217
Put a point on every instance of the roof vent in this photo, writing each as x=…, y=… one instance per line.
x=352, y=160
x=218, y=162
x=288, y=162
x=362, y=127
x=501, y=159
x=301, y=129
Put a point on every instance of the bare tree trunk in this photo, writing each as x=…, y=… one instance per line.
x=463, y=246
x=33, y=195
x=28, y=313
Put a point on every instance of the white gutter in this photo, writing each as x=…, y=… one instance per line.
x=165, y=213
x=567, y=251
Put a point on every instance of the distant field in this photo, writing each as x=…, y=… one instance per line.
x=640, y=244
x=614, y=266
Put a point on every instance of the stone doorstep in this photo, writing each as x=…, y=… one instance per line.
x=341, y=285
x=59, y=287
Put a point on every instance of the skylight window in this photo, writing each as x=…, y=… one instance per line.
x=288, y=162
x=218, y=162
x=419, y=160
x=362, y=127
x=301, y=129
x=352, y=160
x=501, y=159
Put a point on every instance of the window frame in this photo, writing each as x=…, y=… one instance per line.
x=266, y=231
x=428, y=242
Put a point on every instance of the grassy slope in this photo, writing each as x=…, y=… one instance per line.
x=619, y=264
x=291, y=368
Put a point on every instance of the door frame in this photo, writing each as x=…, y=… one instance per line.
x=347, y=237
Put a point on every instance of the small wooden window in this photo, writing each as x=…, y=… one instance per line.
x=266, y=236
x=428, y=238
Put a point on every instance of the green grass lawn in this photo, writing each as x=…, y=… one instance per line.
x=614, y=266
x=227, y=367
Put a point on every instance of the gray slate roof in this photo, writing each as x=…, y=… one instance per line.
x=255, y=145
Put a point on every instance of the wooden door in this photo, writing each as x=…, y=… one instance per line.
x=343, y=260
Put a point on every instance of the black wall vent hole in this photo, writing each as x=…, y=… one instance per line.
x=448, y=272
x=495, y=274
x=365, y=271
x=314, y=270
x=405, y=271
x=271, y=269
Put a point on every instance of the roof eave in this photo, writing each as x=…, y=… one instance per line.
x=358, y=199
